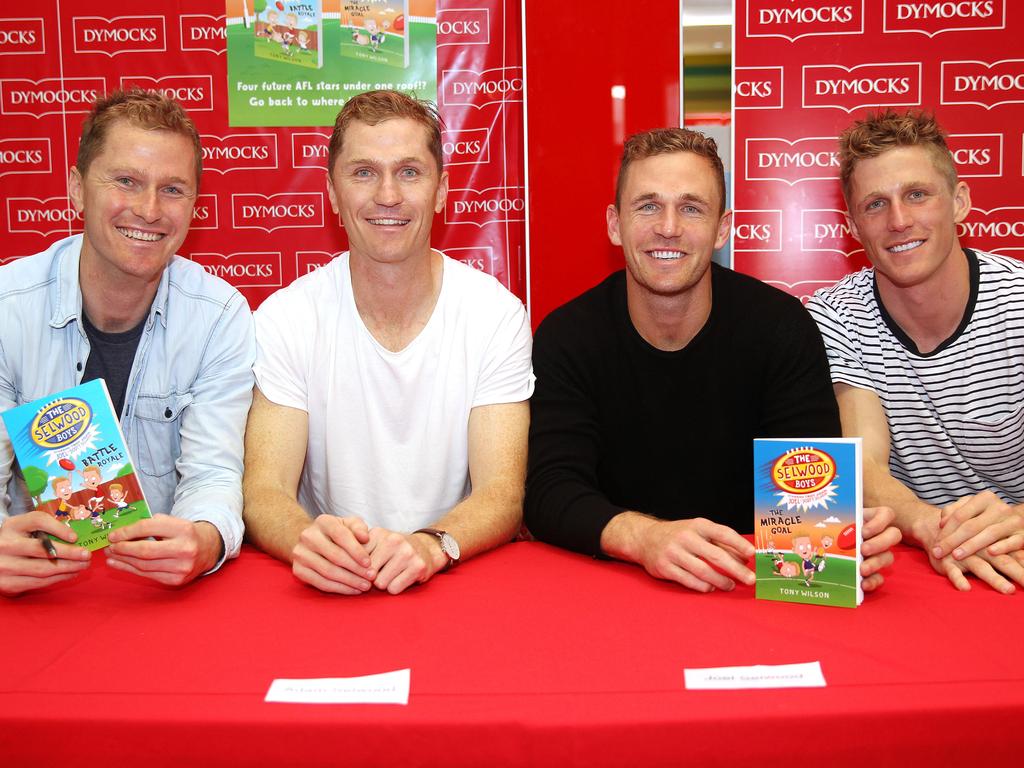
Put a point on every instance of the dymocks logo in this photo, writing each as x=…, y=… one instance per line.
x=44, y=217
x=977, y=154
x=310, y=261
x=24, y=156
x=204, y=215
x=758, y=88
x=466, y=147
x=309, y=150
x=202, y=32
x=932, y=17
x=285, y=210
x=826, y=229
x=194, y=92
x=239, y=151
x=984, y=84
x=485, y=206
x=49, y=96
x=813, y=158
x=990, y=228
x=866, y=85
x=243, y=270
x=21, y=36
x=791, y=21
x=757, y=230
x=463, y=26
x=469, y=88
x=121, y=34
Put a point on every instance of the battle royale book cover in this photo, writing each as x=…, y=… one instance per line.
x=74, y=462
x=808, y=514
x=290, y=32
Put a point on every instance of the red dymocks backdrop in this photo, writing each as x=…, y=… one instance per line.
x=805, y=70
x=263, y=217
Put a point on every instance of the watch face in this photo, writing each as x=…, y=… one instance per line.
x=450, y=546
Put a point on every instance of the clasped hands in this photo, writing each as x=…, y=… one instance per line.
x=345, y=556
x=981, y=535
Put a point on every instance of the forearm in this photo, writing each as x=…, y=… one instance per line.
x=917, y=520
x=622, y=536
x=487, y=518
x=273, y=521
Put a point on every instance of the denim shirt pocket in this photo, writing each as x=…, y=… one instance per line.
x=158, y=423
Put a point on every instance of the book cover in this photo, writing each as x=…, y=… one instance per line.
x=72, y=456
x=290, y=31
x=808, y=514
x=376, y=31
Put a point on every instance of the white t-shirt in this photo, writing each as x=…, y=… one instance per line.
x=956, y=414
x=388, y=431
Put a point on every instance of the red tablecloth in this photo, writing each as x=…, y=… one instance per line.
x=525, y=656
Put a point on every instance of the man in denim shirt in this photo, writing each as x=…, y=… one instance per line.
x=174, y=344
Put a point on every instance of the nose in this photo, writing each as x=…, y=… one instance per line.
x=899, y=216
x=669, y=223
x=387, y=192
x=147, y=205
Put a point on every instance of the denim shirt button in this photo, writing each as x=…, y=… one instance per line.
x=167, y=413
x=79, y=366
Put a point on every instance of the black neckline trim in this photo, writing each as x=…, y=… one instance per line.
x=974, y=271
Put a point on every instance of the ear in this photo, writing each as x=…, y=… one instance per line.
x=442, y=192
x=76, y=189
x=724, y=228
x=331, y=194
x=852, y=224
x=612, y=215
x=961, y=201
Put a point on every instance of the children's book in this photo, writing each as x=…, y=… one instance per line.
x=808, y=514
x=376, y=30
x=291, y=31
x=73, y=459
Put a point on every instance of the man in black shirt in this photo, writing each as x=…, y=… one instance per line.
x=649, y=393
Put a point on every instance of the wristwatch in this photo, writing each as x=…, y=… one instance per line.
x=449, y=545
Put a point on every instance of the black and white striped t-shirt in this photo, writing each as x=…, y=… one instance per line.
x=956, y=415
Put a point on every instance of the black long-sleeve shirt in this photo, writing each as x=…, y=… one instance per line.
x=618, y=425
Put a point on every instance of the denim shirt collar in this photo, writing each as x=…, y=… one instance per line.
x=66, y=292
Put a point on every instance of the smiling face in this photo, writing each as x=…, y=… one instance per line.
x=136, y=198
x=802, y=546
x=904, y=213
x=387, y=187
x=668, y=222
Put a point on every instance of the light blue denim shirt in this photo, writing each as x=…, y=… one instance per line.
x=189, y=389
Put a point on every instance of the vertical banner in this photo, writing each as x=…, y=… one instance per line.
x=805, y=70
x=263, y=216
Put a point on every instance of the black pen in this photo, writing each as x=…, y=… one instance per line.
x=51, y=552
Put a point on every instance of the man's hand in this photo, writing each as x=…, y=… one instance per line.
x=181, y=551
x=696, y=553
x=995, y=570
x=402, y=560
x=332, y=555
x=971, y=524
x=24, y=564
x=879, y=536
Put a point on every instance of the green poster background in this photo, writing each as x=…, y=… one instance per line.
x=267, y=93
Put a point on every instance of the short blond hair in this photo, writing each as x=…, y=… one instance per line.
x=664, y=141
x=887, y=129
x=373, y=107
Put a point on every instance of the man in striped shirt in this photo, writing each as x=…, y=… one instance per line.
x=927, y=354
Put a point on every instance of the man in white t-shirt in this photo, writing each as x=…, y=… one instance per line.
x=387, y=436
x=926, y=352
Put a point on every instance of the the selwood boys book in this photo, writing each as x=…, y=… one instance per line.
x=291, y=31
x=72, y=457
x=808, y=513
x=376, y=30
